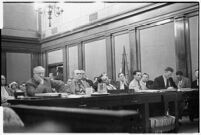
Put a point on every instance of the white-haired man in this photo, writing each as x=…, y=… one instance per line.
x=78, y=85
x=41, y=84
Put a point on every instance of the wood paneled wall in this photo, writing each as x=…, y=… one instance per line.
x=128, y=22
x=20, y=45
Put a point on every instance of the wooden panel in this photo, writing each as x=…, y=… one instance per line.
x=80, y=56
x=44, y=61
x=133, y=52
x=109, y=53
x=188, y=49
x=72, y=59
x=65, y=62
x=3, y=63
x=180, y=45
x=35, y=61
x=83, y=55
x=18, y=66
x=194, y=43
x=138, y=50
x=17, y=44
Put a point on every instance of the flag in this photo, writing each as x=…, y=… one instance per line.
x=124, y=68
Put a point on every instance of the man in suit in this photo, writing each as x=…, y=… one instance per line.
x=165, y=81
x=78, y=85
x=145, y=82
x=182, y=81
x=195, y=83
x=121, y=84
x=5, y=94
x=135, y=83
x=41, y=84
x=193, y=104
x=84, y=78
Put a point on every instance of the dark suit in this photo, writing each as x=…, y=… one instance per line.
x=159, y=83
x=194, y=84
x=118, y=86
x=90, y=82
x=33, y=86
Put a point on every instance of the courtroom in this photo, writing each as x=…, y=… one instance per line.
x=70, y=66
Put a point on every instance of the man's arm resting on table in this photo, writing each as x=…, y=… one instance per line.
x=58, y=85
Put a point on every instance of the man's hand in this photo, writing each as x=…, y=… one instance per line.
x=38, y=79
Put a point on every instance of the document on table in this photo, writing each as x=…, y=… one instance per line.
x=47, y=94
x=187, y=89
x=149, y=91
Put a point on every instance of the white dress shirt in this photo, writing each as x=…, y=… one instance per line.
x=143, y=85
x=134, y=84
x=121, y=85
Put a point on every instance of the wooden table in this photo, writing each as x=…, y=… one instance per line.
x=109, y=102
x=75, y=120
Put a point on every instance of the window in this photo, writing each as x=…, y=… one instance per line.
x=55, y=64
x=55, y=57
x=95, y=58
x=121, y=41
x=157, y=47
x=73, y=59
x=193, y=25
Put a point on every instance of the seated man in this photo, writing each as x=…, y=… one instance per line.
x=122, y=83
x=193, y=103
x=164, y=81
x=103, y=78
x=145, y=82
x=135, y=83
x=68, y=84
x=182, y=81
x=41, y=84
x=22, y=87
x=84, y=77
x=195, y=83
x=78, y=85
x=5, y=95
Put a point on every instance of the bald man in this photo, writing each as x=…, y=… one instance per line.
x=41, y=84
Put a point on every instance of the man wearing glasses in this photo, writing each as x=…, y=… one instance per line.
x=78, y=85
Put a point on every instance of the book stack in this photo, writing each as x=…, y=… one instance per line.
x=162, y=123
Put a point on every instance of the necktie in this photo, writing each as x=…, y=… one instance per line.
x=167, y=83
x=139, y=85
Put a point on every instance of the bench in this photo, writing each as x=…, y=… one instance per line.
x=60, y=119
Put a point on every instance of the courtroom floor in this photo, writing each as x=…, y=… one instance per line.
x=189, y=127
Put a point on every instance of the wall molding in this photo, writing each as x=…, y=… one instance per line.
x=119, y=25
x=105, y=21
x=20, y=44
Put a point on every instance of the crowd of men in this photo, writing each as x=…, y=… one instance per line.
x=79, y=82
